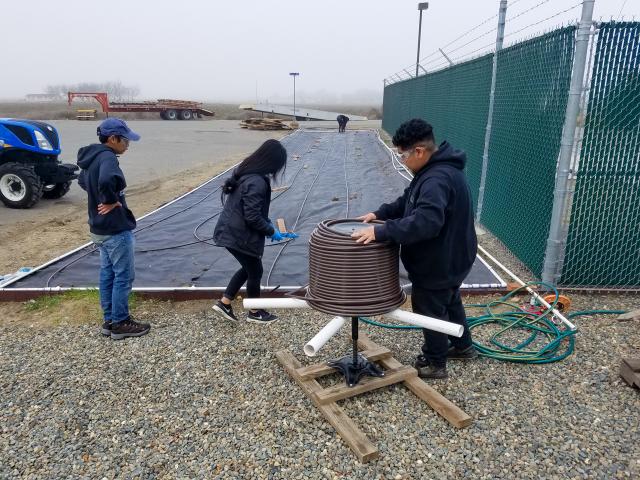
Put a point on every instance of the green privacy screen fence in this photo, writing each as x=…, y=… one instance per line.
x=603, y=245
x=531, y=91
x=455, y=101
x=532, y=87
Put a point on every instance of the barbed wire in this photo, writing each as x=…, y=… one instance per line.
x=438, y=63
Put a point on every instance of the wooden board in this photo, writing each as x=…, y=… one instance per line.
x=633, y=315
x=630, y=371
x=366, y=384
x=281, y=226
x=325, y=398
x=350, y=433
x=451, y=412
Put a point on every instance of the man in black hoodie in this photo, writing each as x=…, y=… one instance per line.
x=433, y=223
x=111, y=224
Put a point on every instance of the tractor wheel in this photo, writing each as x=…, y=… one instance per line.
x=20, y=186
x=163, y=115
x=170, y=114
x=185, y=114
x=56, y=190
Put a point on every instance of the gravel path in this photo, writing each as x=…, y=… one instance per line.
x=204, y=398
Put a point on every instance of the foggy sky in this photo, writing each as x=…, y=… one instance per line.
x=240, y=51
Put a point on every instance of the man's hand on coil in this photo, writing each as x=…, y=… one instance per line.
x=104, y=208
x=365, y=235
x=368, y=217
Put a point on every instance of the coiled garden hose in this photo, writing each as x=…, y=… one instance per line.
x=538, y=326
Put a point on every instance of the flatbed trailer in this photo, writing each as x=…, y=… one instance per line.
x=168, y=109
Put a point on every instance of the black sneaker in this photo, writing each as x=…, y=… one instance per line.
x=420, y=362
x=106, y=329
x=128, y=328
x=434, y=373
x=468, y=353
x=224, y=311
x=261, y=316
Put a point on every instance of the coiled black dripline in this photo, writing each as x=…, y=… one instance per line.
x=351, y=279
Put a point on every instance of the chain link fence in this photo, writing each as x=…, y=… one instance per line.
x=603, y=243
x=530, y=101
x=455, y=101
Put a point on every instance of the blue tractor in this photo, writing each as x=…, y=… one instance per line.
x=29, y=165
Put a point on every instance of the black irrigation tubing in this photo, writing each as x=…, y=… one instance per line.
x=195, y=231
x=135, y=231
x=346, y=179
x=300, y=211
x=94, y=248
x=70, y=263
x=344, y=283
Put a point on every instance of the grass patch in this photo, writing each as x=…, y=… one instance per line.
x=75, y=307
x=47, y=302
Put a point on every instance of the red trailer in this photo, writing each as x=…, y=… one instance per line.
x=168, y=109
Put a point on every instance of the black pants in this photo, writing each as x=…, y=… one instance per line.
x=251, y=272
x=445, y=305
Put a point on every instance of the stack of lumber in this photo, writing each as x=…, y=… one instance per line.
x=264, y=124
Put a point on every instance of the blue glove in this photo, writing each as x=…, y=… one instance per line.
x=277, y=236
x=290, y=235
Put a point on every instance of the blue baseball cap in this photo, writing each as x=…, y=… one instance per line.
x=117, y=126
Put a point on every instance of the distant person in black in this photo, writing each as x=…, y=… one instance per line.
x=342, y=122
x=244, y=223
x=433, y=223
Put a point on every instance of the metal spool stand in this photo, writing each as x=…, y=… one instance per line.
x=363, y=371
x=354, y=367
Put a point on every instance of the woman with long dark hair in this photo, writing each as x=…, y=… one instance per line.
x=244, y=223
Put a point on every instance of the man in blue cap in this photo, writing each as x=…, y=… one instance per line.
x=111, y=224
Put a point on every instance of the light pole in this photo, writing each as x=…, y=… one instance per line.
x=294, y=75
x=421, y=6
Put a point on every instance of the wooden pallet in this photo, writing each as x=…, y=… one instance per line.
x=325, y=398
x=630, y=371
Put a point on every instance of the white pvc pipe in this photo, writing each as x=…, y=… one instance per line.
x=538, y=297
x=268, y=303
x=330, y=329
x=429, y=323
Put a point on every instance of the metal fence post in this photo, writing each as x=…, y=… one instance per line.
x=485, y=154
x=556, y=240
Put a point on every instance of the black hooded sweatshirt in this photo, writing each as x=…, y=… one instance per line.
x=104, y=182
x=433, y=222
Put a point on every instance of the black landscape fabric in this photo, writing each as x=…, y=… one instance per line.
x=329, y=175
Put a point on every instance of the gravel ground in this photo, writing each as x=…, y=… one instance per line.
x=203, y=398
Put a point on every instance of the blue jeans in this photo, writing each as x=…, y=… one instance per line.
x=117, y=272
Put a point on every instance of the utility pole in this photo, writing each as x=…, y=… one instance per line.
x=556, y=242
x=487, y=134
x=421, y=6
x=294, y=75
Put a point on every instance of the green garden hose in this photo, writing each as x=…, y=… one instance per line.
x=552, y=343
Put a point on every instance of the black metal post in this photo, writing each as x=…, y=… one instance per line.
x=354, y=339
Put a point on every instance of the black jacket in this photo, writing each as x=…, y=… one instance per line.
x=104, y=182
x=244, y=221
x=433, y=222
